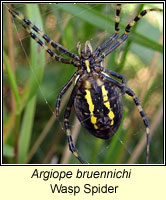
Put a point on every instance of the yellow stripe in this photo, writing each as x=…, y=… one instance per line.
x=91, y=108
x=87, y=65
x=107, y=104
x=132, y=23
x=117, y=19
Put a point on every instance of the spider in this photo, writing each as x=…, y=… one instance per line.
x=96, y=95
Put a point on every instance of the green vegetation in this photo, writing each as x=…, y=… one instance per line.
x=31, y=133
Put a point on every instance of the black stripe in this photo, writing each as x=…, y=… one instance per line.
x=146, y=122
x=136, y=19
x=67, y=114
x=11, y=12
x=69, y=139
x=143, y=13
x=46, y=38
x=35, y=28
x=71, y=145
x=50, y=52
x=40, y=42
x=27, y=21
x=117, y=12
x=127, y=29
x=117, y=26
x=142, y=114
x=53, y=44
x=33, y=35
x=136, y=101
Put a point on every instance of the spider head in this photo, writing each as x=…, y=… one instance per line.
x=86, y=56
x=86, y=52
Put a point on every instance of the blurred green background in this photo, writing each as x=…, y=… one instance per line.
x=32, y=81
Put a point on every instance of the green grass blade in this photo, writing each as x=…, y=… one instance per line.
x=26, y=131
x=37, y=56
x=8, y=150
x=37, y=68
x=13, y=82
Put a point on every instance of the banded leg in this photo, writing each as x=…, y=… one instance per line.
x=114, y=36
x=140, y=109
x=49, y=51
x=67, y=128
x=144, y=118
x=125, y=35
x=64, y=89
x=115, y=74
x=54, y=44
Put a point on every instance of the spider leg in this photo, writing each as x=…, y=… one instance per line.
x=140, y=109
x=49, y=51
x=19, y=17
x=115, y=74
x=64, y=89
x=125, y=35
x=66, y=124
x=144, y=118
x=113, y=37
